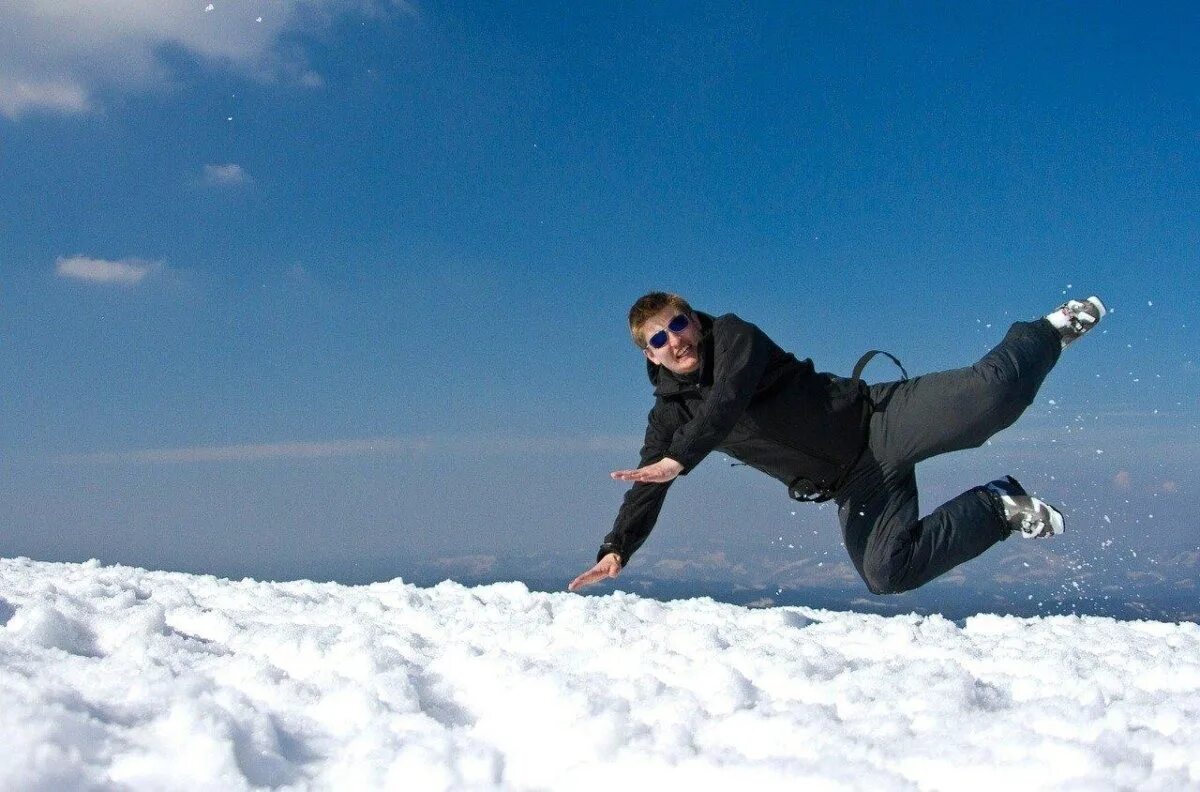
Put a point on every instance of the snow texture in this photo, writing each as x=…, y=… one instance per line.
x=114, y=677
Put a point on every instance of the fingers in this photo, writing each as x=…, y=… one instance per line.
x=586, y=579
x=595, y=574
x=659, y=472
x=646, y=475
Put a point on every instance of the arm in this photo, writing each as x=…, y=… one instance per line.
x=643, y=501
x=740, y=355
x=640, y=508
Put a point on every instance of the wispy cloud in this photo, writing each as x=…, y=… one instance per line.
x=878, y=603
x=252, y=452
x=126, y=272
x=20, y=96
x=298, y=272
x=255, y=452
x=56, y=58
x=474, y=565
x=228, y=175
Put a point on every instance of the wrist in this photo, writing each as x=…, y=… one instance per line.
x=608, y=549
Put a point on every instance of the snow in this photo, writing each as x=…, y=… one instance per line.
x=112, y=676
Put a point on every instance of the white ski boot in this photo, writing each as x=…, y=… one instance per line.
x=1032, y=517
x=1075, y=317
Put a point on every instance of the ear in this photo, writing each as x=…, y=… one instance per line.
x=649, y=356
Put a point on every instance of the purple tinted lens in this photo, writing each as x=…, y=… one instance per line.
x=677, y=325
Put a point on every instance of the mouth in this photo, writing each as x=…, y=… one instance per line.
x=683, y=352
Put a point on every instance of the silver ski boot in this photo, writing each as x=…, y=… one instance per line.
x=1075, y=317
x=1032, y=517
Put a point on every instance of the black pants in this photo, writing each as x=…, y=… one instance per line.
x=892, y=548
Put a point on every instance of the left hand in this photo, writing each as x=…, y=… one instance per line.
x=660, y=472
x=607, y=567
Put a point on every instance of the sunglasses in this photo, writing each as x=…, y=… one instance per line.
x=676, y=325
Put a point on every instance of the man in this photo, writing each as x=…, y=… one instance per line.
x=721, y=384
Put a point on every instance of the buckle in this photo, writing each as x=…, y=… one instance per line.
x=806, y=490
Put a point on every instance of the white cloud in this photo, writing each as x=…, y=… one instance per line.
x=229, y=175
x=475, y=565
x=254, y=452
x=57, y=56
x=310, y=79
x=18, y=97
x=126, y=272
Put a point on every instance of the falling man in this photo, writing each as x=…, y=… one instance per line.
x=720, y=384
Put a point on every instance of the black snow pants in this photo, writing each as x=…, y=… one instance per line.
x=892, y=548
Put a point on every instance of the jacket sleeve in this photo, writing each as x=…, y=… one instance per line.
x=639, y=511
x=740, y=355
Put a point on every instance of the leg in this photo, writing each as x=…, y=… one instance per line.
x=878, y=507
x=894, y=551
x=952, y=410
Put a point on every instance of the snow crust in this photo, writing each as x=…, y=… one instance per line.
x=114, y=677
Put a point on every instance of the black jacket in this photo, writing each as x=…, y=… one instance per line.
x=756, y=403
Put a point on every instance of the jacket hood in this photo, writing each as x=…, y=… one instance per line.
x=667, y=382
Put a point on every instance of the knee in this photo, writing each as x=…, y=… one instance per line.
x=884, y=577
x=1006, y=391
x=1004, y=378
x=1011, y=374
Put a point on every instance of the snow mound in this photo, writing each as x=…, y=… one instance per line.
x=113, y=676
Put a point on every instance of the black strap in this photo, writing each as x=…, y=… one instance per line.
x=866, y=358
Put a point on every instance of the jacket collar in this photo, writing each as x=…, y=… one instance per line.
x=668, y=383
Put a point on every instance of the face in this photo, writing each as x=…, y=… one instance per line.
x=681, y=353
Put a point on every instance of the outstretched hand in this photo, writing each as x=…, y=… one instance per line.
x=660, y=472
x=607, y=567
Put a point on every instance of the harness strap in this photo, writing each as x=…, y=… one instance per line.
x=866, y=358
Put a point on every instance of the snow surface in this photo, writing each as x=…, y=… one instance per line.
x=113, y=677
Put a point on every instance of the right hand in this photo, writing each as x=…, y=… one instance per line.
x=660, y=472
x=607, y=567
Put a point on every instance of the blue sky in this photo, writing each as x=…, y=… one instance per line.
x=336, y=289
